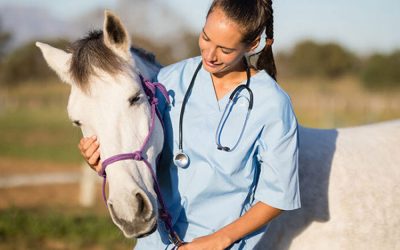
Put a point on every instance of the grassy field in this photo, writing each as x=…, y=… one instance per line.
x=36, y=136
x=52, y=229
x=322, y=103
x=35, y=132
x=34, y=124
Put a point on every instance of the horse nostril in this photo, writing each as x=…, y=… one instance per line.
x=141, y=203
x=143, y=206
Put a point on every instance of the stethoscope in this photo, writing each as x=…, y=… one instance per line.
x=181, y=159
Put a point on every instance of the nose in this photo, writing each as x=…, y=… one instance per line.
x=135, y=216
x=210, y=54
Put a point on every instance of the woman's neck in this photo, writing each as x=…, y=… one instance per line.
x=232, y=77
x=225, y=82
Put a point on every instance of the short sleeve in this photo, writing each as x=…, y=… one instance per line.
x=277, y=153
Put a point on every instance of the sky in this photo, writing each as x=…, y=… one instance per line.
x=363, y=26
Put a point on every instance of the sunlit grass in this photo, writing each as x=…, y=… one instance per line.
x=323, y=103
x=34, y=124
x=44, y=228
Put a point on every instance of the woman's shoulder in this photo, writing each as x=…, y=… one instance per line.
x=268, y=91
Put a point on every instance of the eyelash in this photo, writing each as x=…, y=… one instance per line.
x=226, y=52
x=207, y=40
x=77, y=123
x=133, y=100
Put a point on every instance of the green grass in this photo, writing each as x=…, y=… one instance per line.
x=44, y=228
x=34, y=124
x=39, y=135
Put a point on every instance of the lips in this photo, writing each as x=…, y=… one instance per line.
x=210, y=64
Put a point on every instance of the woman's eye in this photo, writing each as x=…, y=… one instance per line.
x=226, y=51
x=205, y=38
x=77, y=123
x=133, y=99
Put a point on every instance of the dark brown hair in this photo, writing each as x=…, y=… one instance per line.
x=254, y=16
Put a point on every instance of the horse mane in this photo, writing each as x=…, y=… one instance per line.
x=146, y=55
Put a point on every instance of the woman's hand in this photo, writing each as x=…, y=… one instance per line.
x=209, y=242
x=90, y=150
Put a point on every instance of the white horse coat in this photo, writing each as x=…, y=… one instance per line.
x=350, y=191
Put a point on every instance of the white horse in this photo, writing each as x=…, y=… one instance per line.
x=107, y=100
x=349, y=178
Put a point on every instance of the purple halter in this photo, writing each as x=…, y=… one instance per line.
x=150, y=90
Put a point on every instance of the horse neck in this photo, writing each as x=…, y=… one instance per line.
x=146, y=68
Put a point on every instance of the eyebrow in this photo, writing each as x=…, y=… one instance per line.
x=222, y=47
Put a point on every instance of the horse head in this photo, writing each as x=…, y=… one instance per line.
x=107, y=100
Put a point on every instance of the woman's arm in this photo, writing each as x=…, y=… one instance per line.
x=257, y=216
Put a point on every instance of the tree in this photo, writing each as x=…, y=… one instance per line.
x=382, y=71
x=327, y=60
x=26, y=63
x=5, y=38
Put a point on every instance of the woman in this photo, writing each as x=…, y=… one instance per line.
x=243, y=165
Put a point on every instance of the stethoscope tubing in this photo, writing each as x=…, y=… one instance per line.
x=224, y=117
x=185, y=99
x=181, y=158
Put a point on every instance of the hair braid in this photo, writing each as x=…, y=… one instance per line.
x=266, y=57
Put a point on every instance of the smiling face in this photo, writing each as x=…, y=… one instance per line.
x=221, y=44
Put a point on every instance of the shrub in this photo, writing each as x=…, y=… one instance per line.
x=382, y=71
x=327, y=60
x=26, y=63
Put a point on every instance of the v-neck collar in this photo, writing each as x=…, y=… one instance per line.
x=221, y=103
x=209, y=93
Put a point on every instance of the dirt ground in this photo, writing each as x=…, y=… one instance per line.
x=12, y=166
x=58, y=195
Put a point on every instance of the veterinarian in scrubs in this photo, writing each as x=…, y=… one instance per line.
x=242, y=166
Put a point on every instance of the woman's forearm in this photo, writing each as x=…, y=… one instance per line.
x=256, y=217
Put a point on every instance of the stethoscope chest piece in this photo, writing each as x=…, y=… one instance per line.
x=181, y=159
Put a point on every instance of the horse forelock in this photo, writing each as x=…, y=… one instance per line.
x=90, y=53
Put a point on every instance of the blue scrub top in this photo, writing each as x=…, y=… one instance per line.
x=218, y=187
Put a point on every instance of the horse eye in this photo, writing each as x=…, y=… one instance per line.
x=133, y=99
x=77, y=123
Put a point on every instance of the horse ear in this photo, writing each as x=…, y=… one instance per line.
x=116, y=36
x=57, y=59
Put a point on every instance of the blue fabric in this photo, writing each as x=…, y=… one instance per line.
x=218, y=186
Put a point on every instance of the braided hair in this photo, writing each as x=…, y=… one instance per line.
x=254, y=17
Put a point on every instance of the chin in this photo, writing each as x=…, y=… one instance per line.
x=213, y=70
